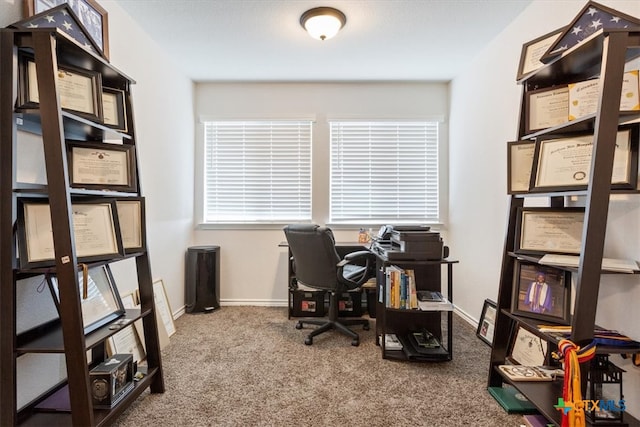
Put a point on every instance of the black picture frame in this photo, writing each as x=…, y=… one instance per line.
x=526, y=347
x=93, y=17
x=551, y=98
x=28, y=96
x=591, y=10
x=533, y=50
x=102, y=305
x=132, y=220
x=541, y=230
x=487, y=322
x=35, y=236
x=114, y=110
x=573, y=146
x=520, y=155
x=547, y=300
x=102, y=166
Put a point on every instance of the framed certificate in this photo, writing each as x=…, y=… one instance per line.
x=564, y=163
x=541, y=292
x=101, y=166
x=131, y=217
x=102, y=303
x=162, y=307
x=96, y=232
x=527, y=348
x=80, y=91
x=487, y=322
x=549, y=230
x=128, y=340
x=114, y=109
x=519, y=165
x=546, y=108
x=532, y=52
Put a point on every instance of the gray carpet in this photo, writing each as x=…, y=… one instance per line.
x=248, y=366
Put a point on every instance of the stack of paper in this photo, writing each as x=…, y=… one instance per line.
x=610, y=264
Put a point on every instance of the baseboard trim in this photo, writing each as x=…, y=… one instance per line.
x=283, y=303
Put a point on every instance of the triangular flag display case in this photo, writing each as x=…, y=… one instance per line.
x=65, y=230
x=575, y=220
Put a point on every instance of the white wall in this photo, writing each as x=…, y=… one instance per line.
x=253, y=268
x=485, y=104
x=163, y=108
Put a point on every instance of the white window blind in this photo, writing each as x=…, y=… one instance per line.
x=384, y=172
x=257, y=171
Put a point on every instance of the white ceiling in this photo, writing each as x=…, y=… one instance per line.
x=383, y=40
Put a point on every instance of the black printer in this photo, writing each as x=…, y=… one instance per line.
x=409, y=242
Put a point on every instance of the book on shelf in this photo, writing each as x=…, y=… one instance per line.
x=535, y=420
x=391, y=342
x=512, y=400
x=400, y=288
x=529, y=373
x=610, y=264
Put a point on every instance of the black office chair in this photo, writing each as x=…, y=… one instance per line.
x=318, y=265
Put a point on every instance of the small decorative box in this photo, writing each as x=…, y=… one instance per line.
x=111, y=380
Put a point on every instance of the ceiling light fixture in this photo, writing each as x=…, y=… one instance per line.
x=322, y=23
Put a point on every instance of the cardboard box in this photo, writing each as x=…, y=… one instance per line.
x=111, y=380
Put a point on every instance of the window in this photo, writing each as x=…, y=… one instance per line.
x=384, y=172
x=257, y=171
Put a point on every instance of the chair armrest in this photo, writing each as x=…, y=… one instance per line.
x=364, y=259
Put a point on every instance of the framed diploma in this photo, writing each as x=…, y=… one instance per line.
x=546, y=108
x=527, y=348
x=91, y=15
x=80, y=91
x=519, y=165
x=549, y=230
x=102, y=303
x=102, y=166
x=162, y=306
x=131, y=217
x=487, y=322
x=128, y=340
x=95, y=227
x=532, y=52
x=541, y=292
x=113, y=109
x=564, y=163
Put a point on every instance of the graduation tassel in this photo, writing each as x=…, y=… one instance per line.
x=572, y=391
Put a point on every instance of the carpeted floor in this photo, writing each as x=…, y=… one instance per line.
x=248, y=366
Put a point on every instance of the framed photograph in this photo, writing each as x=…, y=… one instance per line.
x=89, y=13
x=527, y=348
x=549, y=230
x=131, y=216
x=100, y=166
x=162, y=307
x=541, y=292
x=546, y=108
x=532, y=52
x=114, y=109
x=564, y=163
x=95, y=227
x=519, y=165
x=80, y=90
x=487, y=322
x=102, y=304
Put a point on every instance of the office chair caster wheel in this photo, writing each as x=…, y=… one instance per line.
x=299, y=325
x=308, y=341
x=365, y=327
x=355, y=342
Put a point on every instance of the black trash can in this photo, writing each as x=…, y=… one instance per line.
x=202, y=282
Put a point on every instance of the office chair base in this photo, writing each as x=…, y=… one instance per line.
x=338, y=325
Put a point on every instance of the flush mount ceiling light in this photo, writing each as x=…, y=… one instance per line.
x=322, y=23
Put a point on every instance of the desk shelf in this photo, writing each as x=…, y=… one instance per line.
x=403, y=322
